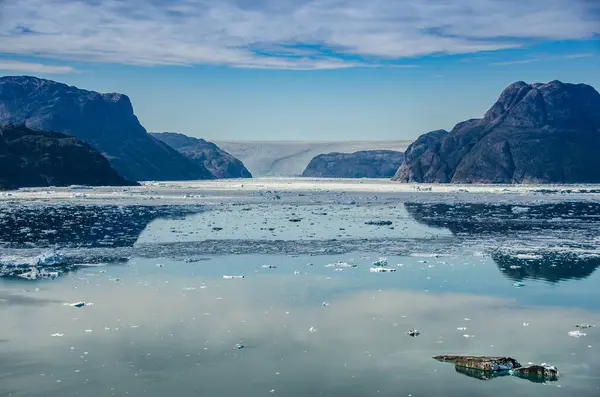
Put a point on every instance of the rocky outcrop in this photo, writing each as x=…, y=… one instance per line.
x=484, y=363
x=31, y=158
x=206, y=154
x=486, y=368
x=363, y=164
x=105, y=121
x=534, y=133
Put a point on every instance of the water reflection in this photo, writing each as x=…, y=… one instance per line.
x=551, y=242
x=174, y=328
x=76, y=226
x=501, y=218
x=548, y=266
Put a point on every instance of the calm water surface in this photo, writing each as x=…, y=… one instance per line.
x=164, y=321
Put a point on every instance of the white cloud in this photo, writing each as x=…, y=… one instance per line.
x=339, y=33
x=546, y=58
x=28, y=67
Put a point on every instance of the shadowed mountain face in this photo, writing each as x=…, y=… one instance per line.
x=363, y=164
x=105, y=121
x=35, y=158
x=577, y=222
x=534, y=133
x=206, y=154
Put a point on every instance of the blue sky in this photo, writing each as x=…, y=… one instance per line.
x=302, y=69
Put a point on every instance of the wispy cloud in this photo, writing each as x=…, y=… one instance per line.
x=313, y=34
x=28, y=67
x=540, y=59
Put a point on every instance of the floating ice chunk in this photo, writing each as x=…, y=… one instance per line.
x=382, y=270
x=340, y=264
x=79, y=304
x=50, y=258
x=528, y=256
x=232, y=277
x=382, y=262
x=577, y=334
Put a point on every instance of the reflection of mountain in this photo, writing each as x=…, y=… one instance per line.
x=550, y=266
x=484, y=220
x=497, y=219
x=86, y=226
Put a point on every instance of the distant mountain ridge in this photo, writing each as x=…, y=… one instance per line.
x=220, y=163
x=31, y=158
x=361, y=164
x=105, y=121
x=534, y=133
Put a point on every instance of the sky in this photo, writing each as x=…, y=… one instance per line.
x=302, y=69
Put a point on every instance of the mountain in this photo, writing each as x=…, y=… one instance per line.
x=362, y=164
x=220, y=163
x=290, y=158
x=105, y=121
x=534, y=133
x=31, y=158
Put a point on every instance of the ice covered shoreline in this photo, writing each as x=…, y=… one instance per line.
x=265, y=189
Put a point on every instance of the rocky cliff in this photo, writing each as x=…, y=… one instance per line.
x=534, y=133
x=105, y=121
x=220, y=163
x=363, y=164
x=31, y=158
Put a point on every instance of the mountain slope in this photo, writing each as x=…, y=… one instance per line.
x=31, y=158
x=534, y=133
x=362, y=164
x=105, y=121
x=220, y=163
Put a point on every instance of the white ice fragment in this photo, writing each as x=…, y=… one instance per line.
x=577, y=334
x=382, y=270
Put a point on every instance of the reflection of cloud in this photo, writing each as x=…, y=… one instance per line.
x=359, y=346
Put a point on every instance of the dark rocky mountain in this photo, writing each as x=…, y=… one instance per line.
x=105, y=121
x=534, y=133
x=220, y=163
x=31, y=158
x=363, y=164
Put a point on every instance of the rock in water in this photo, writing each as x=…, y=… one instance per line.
x=104, y=121
x=534, y=133
x=537, y=373
x=483, y=363
x=36, y=158
x=363, y=164
x=220, y=163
